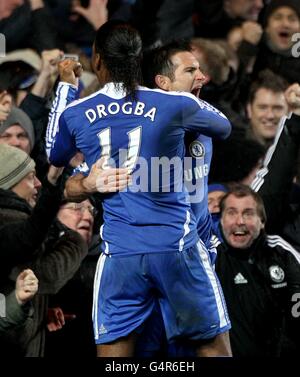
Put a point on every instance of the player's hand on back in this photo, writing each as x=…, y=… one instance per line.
x=105, y=179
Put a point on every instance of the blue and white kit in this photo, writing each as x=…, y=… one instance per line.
x=154, y=225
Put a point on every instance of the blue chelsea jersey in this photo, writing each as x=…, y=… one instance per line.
x=147, y=135
x=200, y=149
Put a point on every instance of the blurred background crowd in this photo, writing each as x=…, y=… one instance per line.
x=248, y=51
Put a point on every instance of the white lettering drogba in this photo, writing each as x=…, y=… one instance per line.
x=114, y=108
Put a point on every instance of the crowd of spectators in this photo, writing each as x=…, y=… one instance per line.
x=248, y=52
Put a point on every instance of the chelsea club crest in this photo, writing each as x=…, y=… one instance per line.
x=197, y=149
x=276, y=273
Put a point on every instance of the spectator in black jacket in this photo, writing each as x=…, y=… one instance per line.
x=74, y=301
x=18, y=242
x=259, y=274
x=274, y=182
x=274, y=50
x=54, y=263
x=266, y=106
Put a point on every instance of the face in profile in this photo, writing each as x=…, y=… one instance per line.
x=240, y=221
x=187, y=74
x=28, y=188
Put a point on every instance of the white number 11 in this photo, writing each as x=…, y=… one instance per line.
x=133, y=149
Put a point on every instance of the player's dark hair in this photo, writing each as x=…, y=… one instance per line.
x=120, y=48
x=158, y=61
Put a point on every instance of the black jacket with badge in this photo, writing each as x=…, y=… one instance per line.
x=258, y=285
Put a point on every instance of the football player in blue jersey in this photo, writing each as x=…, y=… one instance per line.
x=152, y=250
x=174, y=67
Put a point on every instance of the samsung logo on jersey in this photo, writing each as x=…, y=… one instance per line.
x=114, y=108
x=196, y=173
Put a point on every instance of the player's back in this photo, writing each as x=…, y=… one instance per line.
x=146, y=134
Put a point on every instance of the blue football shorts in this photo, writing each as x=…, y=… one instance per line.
x=183, y=282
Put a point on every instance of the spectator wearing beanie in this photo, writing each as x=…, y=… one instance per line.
x=275, y=4
x=18, y=190
x=17, y=173
x=24, y=243
x=17, y=130
x=281, y=21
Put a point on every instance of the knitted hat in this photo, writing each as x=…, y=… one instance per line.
x=275, y=4
x=15, y=164
x=17, y=116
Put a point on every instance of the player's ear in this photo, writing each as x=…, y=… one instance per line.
x=162, y=82
x=96, y=59
x=98, y=62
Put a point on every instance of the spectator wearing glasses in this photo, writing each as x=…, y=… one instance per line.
x=260, y=276
x=71, y=308
x=79, y=217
